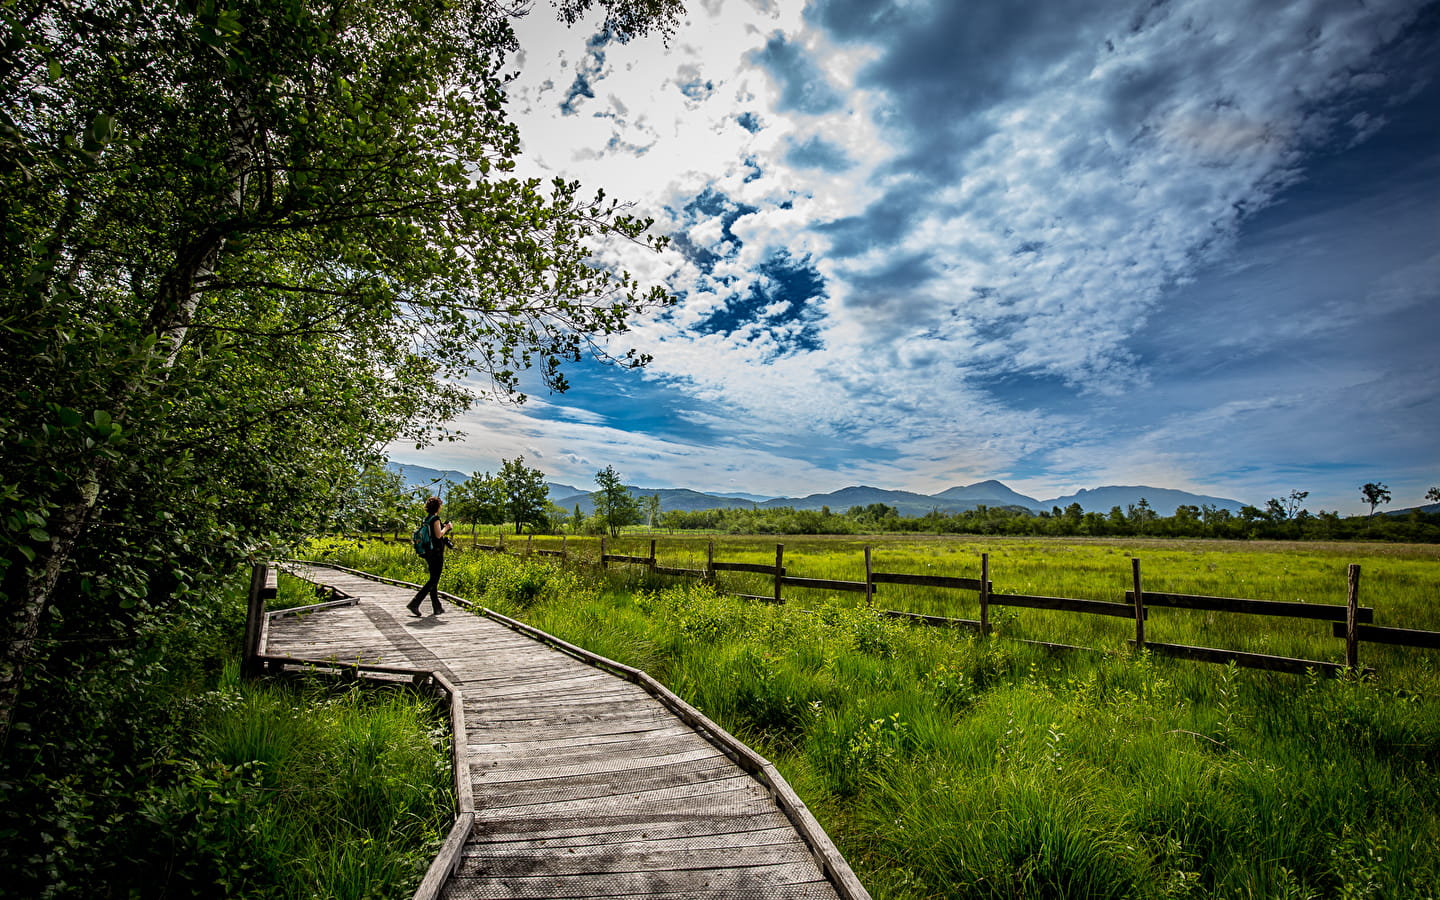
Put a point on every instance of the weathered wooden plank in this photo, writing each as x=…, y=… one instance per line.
x=577, y=749
x=1067, y=604
x=757, y=568
x=1285, y=608
x=611, y=787
x=659, y=733
x=754, y=881
x=825, y=584
x=1404, y=637
x=691, y=833
x=938, y=621
x=493, y=772
x=634, y=560
x=731, y=795
x=674, y=819
x=939, y=581
x=1243, y=658
x=540, y=719
x=588, y=692
x=633, y=858
x=679, y=573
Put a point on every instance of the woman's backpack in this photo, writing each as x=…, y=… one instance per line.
x=424, y=538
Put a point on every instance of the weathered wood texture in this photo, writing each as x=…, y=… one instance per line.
x=589, y=779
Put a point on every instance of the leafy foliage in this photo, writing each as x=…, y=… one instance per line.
x=615, y=506
x=244, y=244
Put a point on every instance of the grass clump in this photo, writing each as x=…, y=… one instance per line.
x=147, y=769
x=300, y=790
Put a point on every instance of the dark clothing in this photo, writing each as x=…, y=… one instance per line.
x=435, y=562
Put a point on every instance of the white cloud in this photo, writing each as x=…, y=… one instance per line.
x=1027, y=223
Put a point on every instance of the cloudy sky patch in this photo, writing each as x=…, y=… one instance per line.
x=1191, y=244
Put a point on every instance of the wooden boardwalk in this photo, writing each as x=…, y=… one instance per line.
x=585, y=784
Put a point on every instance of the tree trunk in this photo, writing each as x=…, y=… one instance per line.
x=29, y=593
x=170, y=317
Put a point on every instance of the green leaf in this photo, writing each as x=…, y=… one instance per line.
x=69, y=418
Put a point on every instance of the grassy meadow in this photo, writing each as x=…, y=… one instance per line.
x=949, y=766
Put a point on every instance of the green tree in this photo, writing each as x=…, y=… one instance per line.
x=650, y=507
x=1374, y=494
x=615, y=506
x=1433, y=495
x=377, y=501
x=525, y=492
x=478, y=500
x=246, y=242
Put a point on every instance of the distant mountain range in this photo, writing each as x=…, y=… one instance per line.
x=952, y=500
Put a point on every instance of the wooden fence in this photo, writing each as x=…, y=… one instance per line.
x=1351, y=622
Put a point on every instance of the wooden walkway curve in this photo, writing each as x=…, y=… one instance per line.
x=585, y=783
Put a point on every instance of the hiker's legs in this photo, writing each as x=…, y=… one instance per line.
x=435, y=562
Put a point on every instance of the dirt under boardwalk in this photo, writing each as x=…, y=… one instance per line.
x=585, y=784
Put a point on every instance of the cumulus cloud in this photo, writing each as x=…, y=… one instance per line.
x=885, y=215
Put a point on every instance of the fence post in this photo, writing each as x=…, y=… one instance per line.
x=1352, y=628
x=984, y=593
x=869, y=584
x=502, y=542
x=779, y=570
x=563, y=557
x=254, y=614
x=652, y=554
x=529, y=545
x=602, y=551
x=1139, y=604
x=710, y=561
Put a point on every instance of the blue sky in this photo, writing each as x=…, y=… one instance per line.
x=920, y=244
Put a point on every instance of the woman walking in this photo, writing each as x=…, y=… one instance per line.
x=434, y=558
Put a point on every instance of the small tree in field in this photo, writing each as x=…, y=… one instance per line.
x=525, y=492
x=1375, y=494
x=478, y=501
x=614, y=504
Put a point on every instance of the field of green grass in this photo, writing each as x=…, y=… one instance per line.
x=949, y=766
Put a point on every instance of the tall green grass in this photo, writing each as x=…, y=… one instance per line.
x=303, y=790
x=150, y=769
x=950, y=766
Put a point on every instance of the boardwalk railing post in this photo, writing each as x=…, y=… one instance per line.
x=1139, y=604
x=1352, y=606
x=779, y=570
x=869, y=580
x=254, y=614
x=984, y=593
